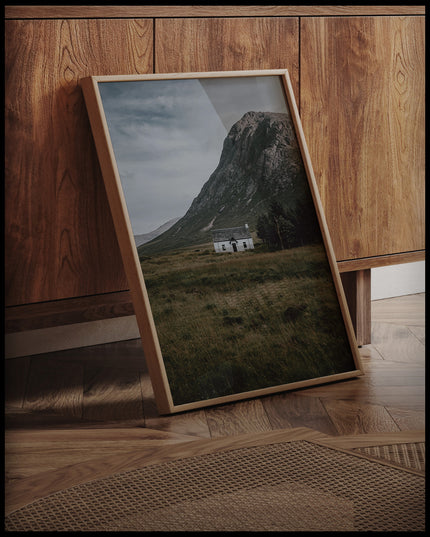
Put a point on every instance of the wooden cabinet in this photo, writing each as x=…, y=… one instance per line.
x=362, y=107
x=358, y=80
x=224, y=44
x=60, y=240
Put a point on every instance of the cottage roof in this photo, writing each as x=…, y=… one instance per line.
x=226, y=234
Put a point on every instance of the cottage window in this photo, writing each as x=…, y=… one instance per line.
x=245, y=245
x=223, y=247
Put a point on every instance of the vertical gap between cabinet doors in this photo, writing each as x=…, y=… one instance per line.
x=300, y=67
x=153, y=45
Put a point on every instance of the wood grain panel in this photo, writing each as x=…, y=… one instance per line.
x=205, y=11
x=222, y=44
x=362, y=108
x=381, y=261
x=67, y=311
x=60, y=240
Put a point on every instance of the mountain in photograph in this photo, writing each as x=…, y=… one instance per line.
x=260, y=162
x=146, y=237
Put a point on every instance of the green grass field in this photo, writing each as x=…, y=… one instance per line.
x=231, y=323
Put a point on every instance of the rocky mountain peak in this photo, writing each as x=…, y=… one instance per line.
x=260, y=161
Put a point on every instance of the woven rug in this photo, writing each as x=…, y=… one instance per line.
x=408, y=455
x=288, y=486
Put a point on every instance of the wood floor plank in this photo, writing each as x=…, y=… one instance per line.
x=29, y=420
x=365, y=393
x=292, y=410
x=53, y=388
x=190, y=423
x=16, y=373
x=419, y=332
x=24, y=491
x=393, y=365
x=408, y=419
x=23, y=418
x=373, y=439
x=368, y=353
x=193, y=423
x=403, y=310
x=103, y=396
x=397, y=343
x=351, y=390
x=89, y=437
x=32, y=452
x=120, y=355
x=402, y=396
x=356, y=418
x=239, y=418
x=395, y=374
x=112, y=394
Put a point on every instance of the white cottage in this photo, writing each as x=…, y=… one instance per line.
x=232, y=239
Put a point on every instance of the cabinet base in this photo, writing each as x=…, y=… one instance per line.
x=358, y=295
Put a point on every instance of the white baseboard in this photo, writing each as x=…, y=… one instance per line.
x=398, y=280
x=70, y=336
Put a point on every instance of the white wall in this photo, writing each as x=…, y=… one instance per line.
x=397, y=280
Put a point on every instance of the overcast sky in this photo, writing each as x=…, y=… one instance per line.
x=167, y=136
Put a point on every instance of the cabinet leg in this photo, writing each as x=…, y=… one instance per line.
x=357, y=291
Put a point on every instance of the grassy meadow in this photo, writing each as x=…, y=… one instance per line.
x=234, y=322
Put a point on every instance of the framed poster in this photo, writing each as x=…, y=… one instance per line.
x=224, y=242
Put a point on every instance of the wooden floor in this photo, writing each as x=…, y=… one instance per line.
x=77, y=406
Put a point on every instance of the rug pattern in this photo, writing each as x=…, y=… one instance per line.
x=410, y=455
x=288, y=486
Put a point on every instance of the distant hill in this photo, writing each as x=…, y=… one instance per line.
x=260, y=161
x=146, y=237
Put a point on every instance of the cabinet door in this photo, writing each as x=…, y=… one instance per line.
x=362, y=108
x=60, y=240
x=224, y=44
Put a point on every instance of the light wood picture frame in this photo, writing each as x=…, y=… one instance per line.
x=222, y=234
